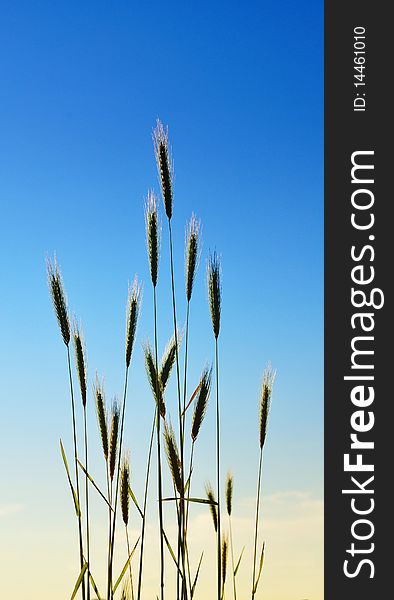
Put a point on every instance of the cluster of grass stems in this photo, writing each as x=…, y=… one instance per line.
x=111, y=422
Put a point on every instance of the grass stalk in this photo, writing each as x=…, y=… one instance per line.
x=59, y=301
x=219, y=541
x=109, y=527
x=143, y=527
x=159, y=469
x=115, y=498
x=80, y=363
x=187, y=511
x=133, y=305
x=215, y=302
x=76, y=467
x=130, y=571
x=265, y=403
x=256, y=528
x=181, y=535
x=87, y=499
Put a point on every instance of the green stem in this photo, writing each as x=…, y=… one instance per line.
x=128, y=555
x=109, y=528
x=185, y=371
x=219, y=552
x=181, y=502
x=232, y=558
x=144, y=507
x=87, y=501
x=110, y=593
x=76, y=466
x=187, y=514
x=159, y=474
x=257, y=522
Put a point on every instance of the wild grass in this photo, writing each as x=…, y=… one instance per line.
x=178, y=443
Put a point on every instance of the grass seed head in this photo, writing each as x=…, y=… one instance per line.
x=101, y=416
x=133, y=308
x=164, y=165
x=114, y=438
x=152, y=235
x=215, y=291
x=201, y=402
x=192, y=254
x=224, y=558
x=168, y=360
x=154, y=381
x=80, y=361
x=212, y=506
x=173, y=456
x=265, y=401
x=229, y=493
x=124, y=489
x=56, y=290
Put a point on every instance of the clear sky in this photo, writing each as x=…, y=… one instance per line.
x=241, y=87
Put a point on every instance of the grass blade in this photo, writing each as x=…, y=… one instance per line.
x=197, y=500
x=260, y=569
x=75, y=497
x=134, y=499
x=118, y=581
x=79, y=581
x=94, y=484
x=197, y=574
x=192, y=398
x=94, y=586
x=172, y=553
x=239, y=562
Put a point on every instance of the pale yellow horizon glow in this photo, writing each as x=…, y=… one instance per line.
x=292, y=525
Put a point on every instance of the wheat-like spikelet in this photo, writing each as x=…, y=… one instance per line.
x=212, y=506
x=265, y=401
x=214, y=291
x=192, y=254
x=164, y=165
x=133, y=308
x=201, y=402
x=80, y=361
x=114, y=438
x=155, y=384
x=56, y=289
x=224, y=558
x=229, y=493
x=173, y=456
x=152, y=235
x=124, y=489
x=101, y=415
x=168, y=360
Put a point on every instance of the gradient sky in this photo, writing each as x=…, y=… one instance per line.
x=241, y=87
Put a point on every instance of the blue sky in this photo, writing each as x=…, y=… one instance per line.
x=241, y=88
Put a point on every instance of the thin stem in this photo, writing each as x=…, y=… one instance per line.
x=187, y=513
x=110, y=594
x=181, y=502
x=257, y=521
x=185, y=371
x=232, y=557
x=160, y=485
x=109, y=525
x=219, y=549
x=144, y=507
x=128, y=556
x=76, y=466
x=190, y=480
x=87, y=499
